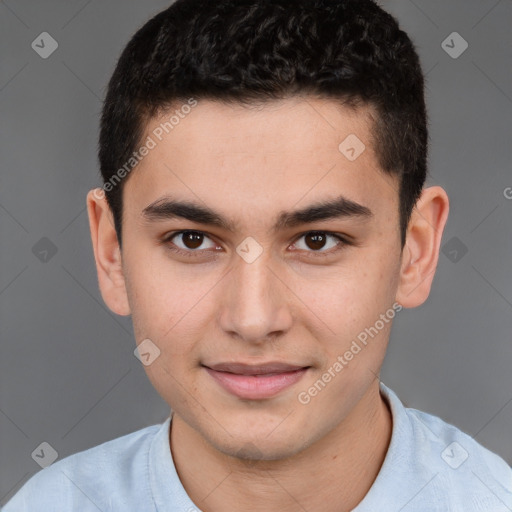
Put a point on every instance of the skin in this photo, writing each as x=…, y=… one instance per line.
x=289, y=305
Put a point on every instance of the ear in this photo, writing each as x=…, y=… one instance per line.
x=107, y=253
x=421, y=250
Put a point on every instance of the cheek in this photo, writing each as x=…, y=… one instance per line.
x=348, y=293
x=170, y=306
x=344, y=303
x=153, y=285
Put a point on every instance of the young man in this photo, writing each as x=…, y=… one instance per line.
x=263, y=219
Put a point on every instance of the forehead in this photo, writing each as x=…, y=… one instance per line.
x=302, y=123
x=259, y=159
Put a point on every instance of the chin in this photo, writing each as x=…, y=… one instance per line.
x=257, y=448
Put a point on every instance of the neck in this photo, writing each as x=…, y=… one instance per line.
x=333, y=474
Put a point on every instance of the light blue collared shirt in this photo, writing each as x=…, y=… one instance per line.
x=430, y=466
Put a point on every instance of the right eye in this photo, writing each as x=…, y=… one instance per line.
x=188, y=242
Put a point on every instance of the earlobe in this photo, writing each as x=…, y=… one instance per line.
x=107, y=253
x=421, y=250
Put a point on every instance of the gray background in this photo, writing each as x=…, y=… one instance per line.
x=68, y=375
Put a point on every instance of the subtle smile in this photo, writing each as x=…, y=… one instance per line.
x=255, y=382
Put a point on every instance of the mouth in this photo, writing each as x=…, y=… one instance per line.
x=256, y=382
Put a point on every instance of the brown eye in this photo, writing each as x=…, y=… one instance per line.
x=192, y=240
x=319, y=242
x=315, y=241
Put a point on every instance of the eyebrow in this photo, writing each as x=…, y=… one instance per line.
x=340, y=208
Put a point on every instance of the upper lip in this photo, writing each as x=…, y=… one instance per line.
x=259, y=369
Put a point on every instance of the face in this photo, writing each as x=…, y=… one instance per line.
x=258, y=282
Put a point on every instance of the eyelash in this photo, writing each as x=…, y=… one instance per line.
x=342, y=242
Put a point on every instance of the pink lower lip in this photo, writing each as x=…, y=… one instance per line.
x=256, y=387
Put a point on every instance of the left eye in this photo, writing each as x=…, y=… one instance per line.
x=316, y=241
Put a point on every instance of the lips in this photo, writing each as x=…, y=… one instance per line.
x=256, y=382
x=260, y=369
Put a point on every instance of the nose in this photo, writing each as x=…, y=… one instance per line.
x=255, y=302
